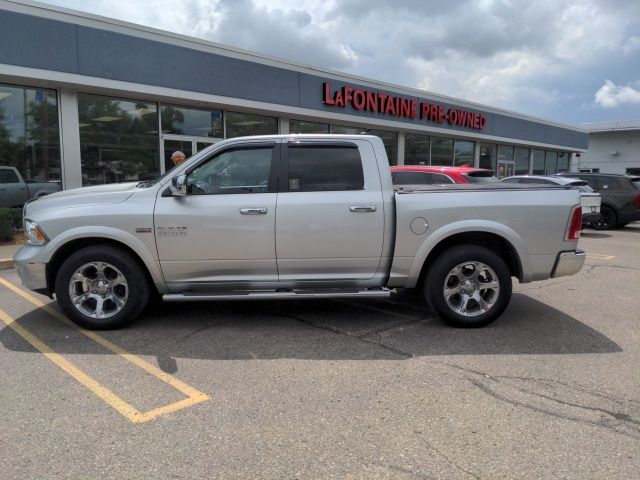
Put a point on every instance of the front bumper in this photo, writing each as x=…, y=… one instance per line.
x=32, y=272
x=568, y=263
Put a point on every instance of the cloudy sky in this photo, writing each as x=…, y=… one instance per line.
x=572, y=61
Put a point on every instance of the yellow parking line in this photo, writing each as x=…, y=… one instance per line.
x=101, y=391
x=600, y=256
x=193, y=395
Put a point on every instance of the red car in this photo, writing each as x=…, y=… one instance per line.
x=434, y=175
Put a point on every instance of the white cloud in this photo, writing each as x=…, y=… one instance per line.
x=542, y=58
x=610, y=95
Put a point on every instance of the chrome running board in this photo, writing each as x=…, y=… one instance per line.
x=275, y=295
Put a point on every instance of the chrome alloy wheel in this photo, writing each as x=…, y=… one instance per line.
x=471, y=289
x=98, y=290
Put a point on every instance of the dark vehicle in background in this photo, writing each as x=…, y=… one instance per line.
x=14, y=191
x=620, y=198
x=590, y=200
x=434, y=175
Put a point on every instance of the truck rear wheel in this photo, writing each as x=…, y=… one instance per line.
x=101, y=287
x=468, y=286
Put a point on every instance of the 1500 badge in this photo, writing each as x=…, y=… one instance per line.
x=171, y=232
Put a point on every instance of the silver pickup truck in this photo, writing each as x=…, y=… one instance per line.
x=14, y=191
x=294, y=216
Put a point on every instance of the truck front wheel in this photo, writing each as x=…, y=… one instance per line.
x=101, y=287
x=468, y=286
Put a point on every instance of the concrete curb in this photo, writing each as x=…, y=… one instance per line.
x=6, y=264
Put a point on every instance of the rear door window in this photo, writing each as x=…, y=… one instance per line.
x=318, y=168
x=482, y=177
x=412, y=178
x=438, y=179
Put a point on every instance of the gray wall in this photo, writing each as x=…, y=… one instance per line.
x=42, y=43
x=601, y=147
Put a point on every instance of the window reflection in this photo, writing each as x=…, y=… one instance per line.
x=488, y=156
x=521, y=156
x=463, y=151
x=389, y=139
x=301, y=126
x=30, y=134
x=244, y=124
x=416, y=149
x=551, y=163
x=538, y=162
x=118, y=139
x=563, y=162
x=441, y=151
x=191, y=121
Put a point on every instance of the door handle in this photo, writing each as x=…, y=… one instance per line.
x=362, y=208
x=253, y=211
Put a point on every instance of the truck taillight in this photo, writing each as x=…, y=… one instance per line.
x=637, y=200
x=575, y=224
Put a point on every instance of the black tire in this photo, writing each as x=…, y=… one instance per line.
x=607, y=221
x=471, y=313
x=135, y=290
x=622, y=224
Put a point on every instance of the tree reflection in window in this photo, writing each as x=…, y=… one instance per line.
x=118, y=139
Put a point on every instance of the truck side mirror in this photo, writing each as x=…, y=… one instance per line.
x=179, y=186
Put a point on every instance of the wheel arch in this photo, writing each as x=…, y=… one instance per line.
x=66, y=249
x=490, y=240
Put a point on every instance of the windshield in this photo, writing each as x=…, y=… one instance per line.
x=636, y=183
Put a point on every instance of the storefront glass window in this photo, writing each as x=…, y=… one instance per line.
x=487, y=156
x=30, y=134
x=521, y=157
x=563, y=162
x=191, y=121
x=463, y=151
x=441, y=151
x=243, y=124
x=118, y=139
x=551, y=163
x=416, y=149
x=300, y=126
x=538, y=162
x=343, y=129
x=505, y=153
x=390, y=140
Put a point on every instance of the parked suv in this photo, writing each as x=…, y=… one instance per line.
x=589, y=199
x=620, y=198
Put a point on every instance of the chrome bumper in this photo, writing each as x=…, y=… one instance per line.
x=33, y=275
x=32, y=272
x=569, y=263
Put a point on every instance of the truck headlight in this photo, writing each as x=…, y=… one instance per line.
x=34, y=234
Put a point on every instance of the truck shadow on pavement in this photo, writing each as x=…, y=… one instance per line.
x=400, y=328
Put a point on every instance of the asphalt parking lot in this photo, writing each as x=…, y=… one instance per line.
x=333, y=389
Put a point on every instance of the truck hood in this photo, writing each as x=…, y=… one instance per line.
x=96, y=195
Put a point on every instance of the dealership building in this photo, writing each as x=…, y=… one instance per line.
x=614, y=147
x=88, y=100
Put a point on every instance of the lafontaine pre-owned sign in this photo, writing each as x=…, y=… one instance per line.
x=396, y=106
